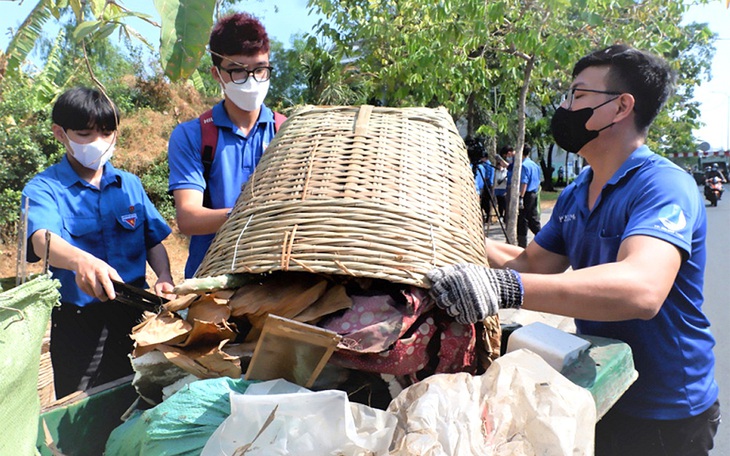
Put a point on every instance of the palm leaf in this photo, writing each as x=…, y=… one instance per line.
x=47, y=89
x=25, y=38
x=185, y=31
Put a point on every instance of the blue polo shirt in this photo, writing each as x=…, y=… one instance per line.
x=236, y=157
x=116, y=223
x=530, y=175
x=672, y=352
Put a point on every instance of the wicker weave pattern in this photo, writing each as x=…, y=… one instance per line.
x=364, y=191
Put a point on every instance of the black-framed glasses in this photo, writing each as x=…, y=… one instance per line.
x=241, y=75
x=570, y=94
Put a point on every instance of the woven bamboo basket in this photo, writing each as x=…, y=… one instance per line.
x=363, y=191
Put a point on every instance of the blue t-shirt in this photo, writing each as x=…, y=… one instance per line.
x=116, y=223
x=235, y=159
x=530, y=175
x=484, y=174
x=672, y=352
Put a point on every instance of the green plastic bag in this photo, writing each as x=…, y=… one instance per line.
x=179, y=426
x=24, y=314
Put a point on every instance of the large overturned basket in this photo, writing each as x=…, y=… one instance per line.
x=363, y=191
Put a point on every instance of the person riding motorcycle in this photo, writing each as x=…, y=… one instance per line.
x=714, y=171
x=713, y=184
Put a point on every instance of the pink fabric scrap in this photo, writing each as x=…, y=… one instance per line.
x=381, y=335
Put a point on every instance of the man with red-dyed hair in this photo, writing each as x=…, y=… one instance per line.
x=206, y=184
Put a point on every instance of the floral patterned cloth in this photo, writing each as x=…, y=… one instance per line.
x=405, y=337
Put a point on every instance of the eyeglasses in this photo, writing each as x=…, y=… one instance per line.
x=240, y=75
x=570, y=94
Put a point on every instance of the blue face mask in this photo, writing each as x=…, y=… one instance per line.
x=569, y=127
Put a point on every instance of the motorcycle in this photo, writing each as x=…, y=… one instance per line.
x=713, y=190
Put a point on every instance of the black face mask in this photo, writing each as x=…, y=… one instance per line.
x=569, y=128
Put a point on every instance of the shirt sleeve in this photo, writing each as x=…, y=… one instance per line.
x=156, y=228
x=43, y=213
x=183, y=156
x=550, y=236
x=668, y=212
x=525, y=173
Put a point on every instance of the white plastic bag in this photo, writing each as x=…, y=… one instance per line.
x=300, y=423
x=520, y=407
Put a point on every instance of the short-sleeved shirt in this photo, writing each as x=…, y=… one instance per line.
x=235, y=158
x=530, y=175
x=483, y=175
x=648, y=196
x=116, y=222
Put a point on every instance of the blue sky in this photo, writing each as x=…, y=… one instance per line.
x=284, y=18
x=715, y=94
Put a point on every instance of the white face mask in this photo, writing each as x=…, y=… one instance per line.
x=92, y=155
x=248, y=96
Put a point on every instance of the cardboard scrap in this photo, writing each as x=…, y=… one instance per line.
x=334, y=299
x=196, y=331
x=193, y=344
x=204, y=361
x=180, y=303
x=210, y=309
x=285, y=295
x=163, y=328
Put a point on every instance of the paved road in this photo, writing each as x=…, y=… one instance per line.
x=717, y=305
x=717, y=308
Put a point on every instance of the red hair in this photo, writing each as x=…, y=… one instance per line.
x=238, y=34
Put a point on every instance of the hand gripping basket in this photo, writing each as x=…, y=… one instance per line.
x=364, y=191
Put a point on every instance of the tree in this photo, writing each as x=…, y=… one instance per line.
x=455, y=53
x=490, y=62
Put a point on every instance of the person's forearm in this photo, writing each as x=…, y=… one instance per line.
x=159, y=262
x=93, y=275
x=200, y=220
x=609, y=292
x=61, y=254
x=503, y=255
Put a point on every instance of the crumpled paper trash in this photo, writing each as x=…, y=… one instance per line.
x=280, y=418
x=520, y=406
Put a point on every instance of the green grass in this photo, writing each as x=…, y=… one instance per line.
x=549, y=196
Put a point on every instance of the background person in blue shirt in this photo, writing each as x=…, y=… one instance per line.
x=632, y=230
x=529, y=207
x=102, y=226
x=240, y=51
x=483, y=173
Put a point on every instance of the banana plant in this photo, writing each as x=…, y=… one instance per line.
x=184, y=31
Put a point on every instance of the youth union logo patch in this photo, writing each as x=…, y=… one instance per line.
x=672, y=217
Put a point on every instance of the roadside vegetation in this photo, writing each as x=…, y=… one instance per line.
x=498, y=66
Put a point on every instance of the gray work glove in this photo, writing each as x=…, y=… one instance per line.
x=470, y=293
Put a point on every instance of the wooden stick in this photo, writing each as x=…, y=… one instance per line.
x=22, y=246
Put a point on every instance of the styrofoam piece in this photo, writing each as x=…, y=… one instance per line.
x=558, y=348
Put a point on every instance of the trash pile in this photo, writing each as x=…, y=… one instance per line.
x=213, y=328
x=520, y=407
x=441, y=400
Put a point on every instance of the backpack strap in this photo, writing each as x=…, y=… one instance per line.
x=209, y=143
x=278, y=120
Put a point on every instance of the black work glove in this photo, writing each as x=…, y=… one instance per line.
x=470, y=292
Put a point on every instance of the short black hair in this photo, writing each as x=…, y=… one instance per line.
x=475, y=148
x=505, y=150
x=647, y=77
x=83, y=108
